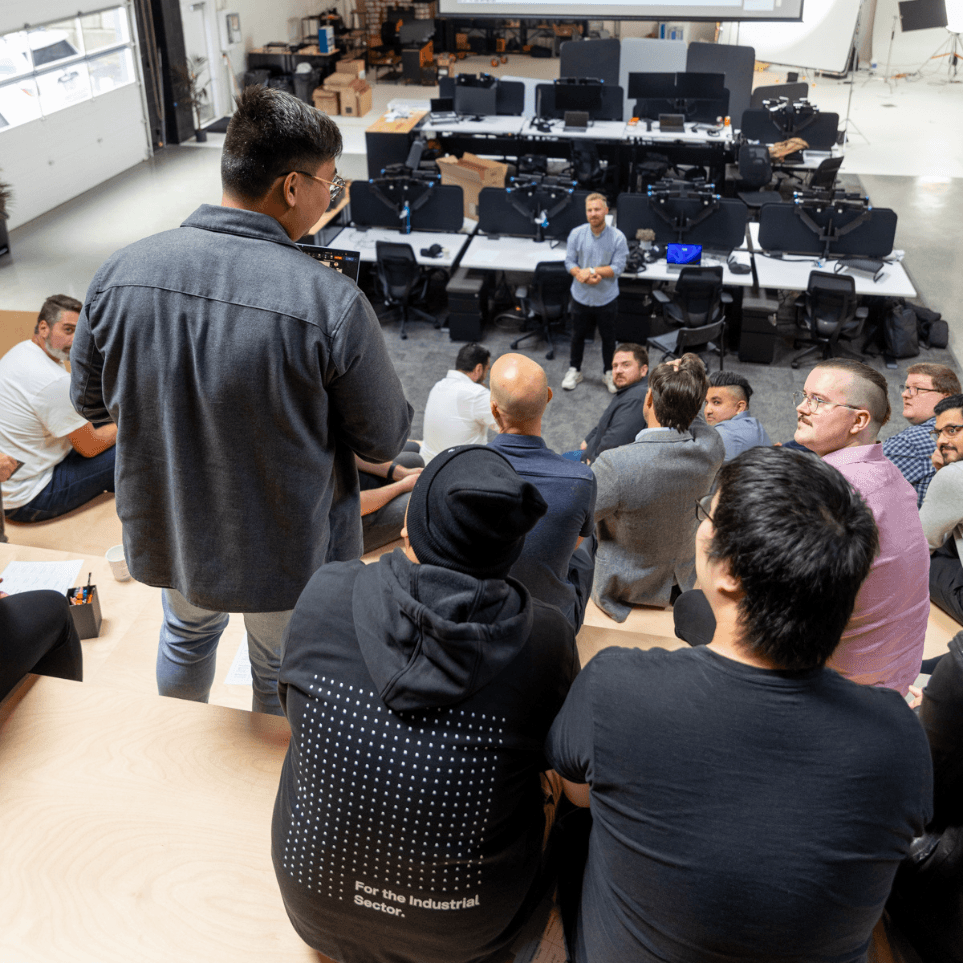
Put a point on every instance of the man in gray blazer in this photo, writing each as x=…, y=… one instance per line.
x=645, y=506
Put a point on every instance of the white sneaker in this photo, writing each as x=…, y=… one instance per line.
x=572, y=377
x=609, y=383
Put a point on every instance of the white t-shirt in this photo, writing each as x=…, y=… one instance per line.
x=458, y=412
x=35, y=418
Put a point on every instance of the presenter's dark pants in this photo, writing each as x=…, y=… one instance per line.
x=694, y=621
x=37, y=634
x=583, y=317
x=946, y=580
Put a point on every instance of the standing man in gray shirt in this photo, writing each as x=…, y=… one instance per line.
x=595, y=257
x=243, y=378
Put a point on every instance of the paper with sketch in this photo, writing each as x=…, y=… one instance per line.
x=240, y=671
x=31, y=576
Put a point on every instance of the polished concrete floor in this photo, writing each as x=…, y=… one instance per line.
x=905, y=148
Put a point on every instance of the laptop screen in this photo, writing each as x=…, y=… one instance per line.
x=689, y=255
x=347, y=263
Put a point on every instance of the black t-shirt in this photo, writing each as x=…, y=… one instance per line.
x=738, y=813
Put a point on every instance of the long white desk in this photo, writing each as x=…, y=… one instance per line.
x=598, y=130
x=363, y=240
x=659, y=270
x=510, y=253
x=791, y=273
x=504, y=125
x=693, y=134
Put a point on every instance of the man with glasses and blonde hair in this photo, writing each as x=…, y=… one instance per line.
x=840, y=411
x=243, y=378
x=926, y=385
x=942, y=511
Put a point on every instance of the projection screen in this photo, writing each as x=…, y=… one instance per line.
x=669, y=10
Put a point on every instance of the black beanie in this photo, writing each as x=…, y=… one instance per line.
x=470, y=511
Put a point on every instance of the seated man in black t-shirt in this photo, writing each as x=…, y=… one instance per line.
x=747, y=803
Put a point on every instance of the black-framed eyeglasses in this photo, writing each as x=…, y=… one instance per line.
x=335, y=187
x=702, y=507
x=814, y=402
x=950, y=431
x=914, y=390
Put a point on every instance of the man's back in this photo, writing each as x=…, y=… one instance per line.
x=883, y=642
x=457, y=413
x=409, y=820
x=738, y=813
x=646, y=515
x=569, y=489
x=239, y=403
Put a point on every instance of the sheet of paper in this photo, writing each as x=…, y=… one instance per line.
x=31, y=576
x=240, y=671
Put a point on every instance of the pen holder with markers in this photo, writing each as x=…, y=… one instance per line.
x=84, y=605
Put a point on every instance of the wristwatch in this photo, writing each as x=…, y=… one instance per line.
x=592, y=271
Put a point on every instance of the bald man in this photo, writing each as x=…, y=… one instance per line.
x=549, y=566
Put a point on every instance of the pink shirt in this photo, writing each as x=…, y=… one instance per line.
x=883, y=642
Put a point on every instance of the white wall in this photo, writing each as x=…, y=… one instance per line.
x=52, y=160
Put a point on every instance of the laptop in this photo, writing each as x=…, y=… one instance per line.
x=443, y=108
x=347, y=263
x=576, y=120
x=672, y=123
x=678, y=256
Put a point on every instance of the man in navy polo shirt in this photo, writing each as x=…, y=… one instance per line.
x=549, y=566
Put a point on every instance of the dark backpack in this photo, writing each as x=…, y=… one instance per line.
x=900, y=336
x=933, y=330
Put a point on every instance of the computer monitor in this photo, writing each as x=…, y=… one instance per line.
x=475, y=101
x=586, y=97
x=414, y=33
x=651, y=86
x=442, y=105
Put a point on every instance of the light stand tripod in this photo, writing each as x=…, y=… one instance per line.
x=954, y=50
x=853, y=65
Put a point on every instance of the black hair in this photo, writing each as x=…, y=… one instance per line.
x=729, y=379
x=270, y=134
x=471, y=356
x=640, y=352
x=678, y=394
x=54, y=307
x=801, y=541
x=946, y=404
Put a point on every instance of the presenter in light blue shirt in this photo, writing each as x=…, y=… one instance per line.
x=595, y=257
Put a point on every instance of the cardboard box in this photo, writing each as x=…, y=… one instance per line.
x=461, y=41
x=327, y=101
x=353, y=67
x=356, y=98
x=471, y=173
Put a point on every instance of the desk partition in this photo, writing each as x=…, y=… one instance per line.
x=718, y=224
x=544, y=212
x=409, y=205
x=610, y=109
x=819, y=130
x=808, y=229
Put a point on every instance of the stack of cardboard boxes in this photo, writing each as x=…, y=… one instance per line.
x=471, y=173
x=345, y=91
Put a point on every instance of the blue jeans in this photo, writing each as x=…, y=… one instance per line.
x=188, y=650
x=76, y=480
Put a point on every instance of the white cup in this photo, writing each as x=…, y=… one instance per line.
x=118, y=564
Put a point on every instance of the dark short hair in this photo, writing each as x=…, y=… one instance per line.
x=54, y=307
x=678, y=395
x=471, y=356
x=641, y=353
x=270, y=134
x=801, y=541
x=948, y=404
x=729, y=379
x=873, y=393
x=944, y=379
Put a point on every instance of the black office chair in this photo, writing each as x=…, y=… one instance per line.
x=544, y=302
x=697, y=311
x=755, y=172
x=824, y=177
x=587, y=169
x=828, y=312
x=403, y=282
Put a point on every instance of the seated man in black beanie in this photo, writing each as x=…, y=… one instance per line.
x=409, y=822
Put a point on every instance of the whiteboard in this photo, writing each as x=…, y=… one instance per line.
x=822, y=41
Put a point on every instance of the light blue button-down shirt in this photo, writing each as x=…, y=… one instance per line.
x=584, y=249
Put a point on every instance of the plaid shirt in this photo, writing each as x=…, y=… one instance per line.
x=910, y=452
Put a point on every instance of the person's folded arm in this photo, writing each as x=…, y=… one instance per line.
x=90, y=441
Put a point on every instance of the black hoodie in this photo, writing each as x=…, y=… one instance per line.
x=408, y=824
